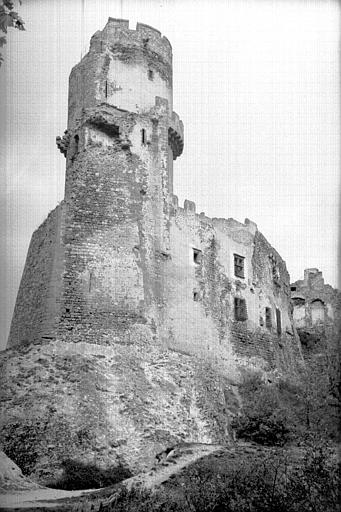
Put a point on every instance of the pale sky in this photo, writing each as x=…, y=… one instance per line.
x=256, y=83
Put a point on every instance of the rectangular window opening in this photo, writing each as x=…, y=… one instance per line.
x=268, y=318
x=239, y=265
x=279, y=322
x=150, y=74
x=197, y=256
x=196, y=296
x=240, y=311
x=143, y=136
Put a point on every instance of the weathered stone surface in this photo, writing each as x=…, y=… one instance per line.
x=106, y=405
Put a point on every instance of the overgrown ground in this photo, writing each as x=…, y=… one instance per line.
x=285, y=458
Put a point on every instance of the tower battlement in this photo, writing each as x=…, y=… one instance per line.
x=144, y=38
x=126, y=69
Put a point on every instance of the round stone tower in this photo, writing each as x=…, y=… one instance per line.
x=124, y=68
x=120, y=144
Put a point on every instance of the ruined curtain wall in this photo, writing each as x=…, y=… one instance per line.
x=202, y=294
x=36, y=311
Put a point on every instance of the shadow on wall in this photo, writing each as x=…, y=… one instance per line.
x=78, y=475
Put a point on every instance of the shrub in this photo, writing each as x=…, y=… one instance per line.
x=272, y=414
x=263, y=417
x=88, y=476
x=268, y=430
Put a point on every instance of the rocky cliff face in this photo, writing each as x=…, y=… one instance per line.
x=109, y=407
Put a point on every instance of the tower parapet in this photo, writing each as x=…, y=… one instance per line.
x=123, y=68
x=144, y=37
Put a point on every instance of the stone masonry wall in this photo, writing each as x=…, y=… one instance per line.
x=37, y=310
x=116, y=229
x=123, y=68
x=200, y=317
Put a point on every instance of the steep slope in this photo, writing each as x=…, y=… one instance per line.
x=106, y=407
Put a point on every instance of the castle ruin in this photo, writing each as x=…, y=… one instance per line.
x=183, y=303
x=119, y=256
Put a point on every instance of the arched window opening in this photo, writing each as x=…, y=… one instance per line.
x=317, y=311
x=299, y=312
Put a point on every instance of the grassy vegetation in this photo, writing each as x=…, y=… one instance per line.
x=279, y=413
x=270, y=480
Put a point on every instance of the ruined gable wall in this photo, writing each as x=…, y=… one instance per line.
x=305, y=292
x=317, y=315
x=37, y=309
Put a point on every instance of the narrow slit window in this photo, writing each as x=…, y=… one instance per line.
x=143, y=136
x=106, y=88
x=76, y=139
x=239, y=266
x=197, y=256
x=279, y=322
x=240, y=311
x=268, y=318
x=75, y=147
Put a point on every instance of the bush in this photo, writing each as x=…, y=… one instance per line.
x=88, y=476
x=263, y=419
x=272, y=414
x=263, y=429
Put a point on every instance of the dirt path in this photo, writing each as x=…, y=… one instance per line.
x=38, y=498
x=170, y=464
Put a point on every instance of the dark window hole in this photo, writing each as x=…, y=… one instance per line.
x=197, y=256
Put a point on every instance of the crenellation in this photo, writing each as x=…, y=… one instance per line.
x=147, y=30
x=118, y=22
x=189, y=206
x=144, y=36
x=175, y=201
